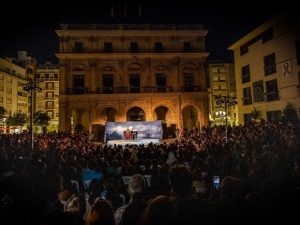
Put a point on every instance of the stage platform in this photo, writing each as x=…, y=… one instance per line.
x=133, y=142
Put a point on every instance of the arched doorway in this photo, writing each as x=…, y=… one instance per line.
x=80, y=120
x=190, y=117
x=135, y=114
x=74, y=119
x=163, y=113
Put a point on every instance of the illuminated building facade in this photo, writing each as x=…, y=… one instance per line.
x=47, y=100
x=267, y=68
x=124, y=72
x=222, y=83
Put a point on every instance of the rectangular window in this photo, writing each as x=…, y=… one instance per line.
x=245, y=74
x=49, y=94
x=158, y=47
x=274, y=116
x=272, y=90
x=215, y=78
x=134, y=83
x=50, y=114
x=49, y=85
x=244, y=49
x=1, y=99
x=134, y=47
x=247, y=117
x=258, y=91
x=188, y=82
x=298, y=52
x=267, y=35
x=108, y=47
x=270, y=64
x=161, y=82
x=187, y=47
x=108, y=83
x=247, y=98
x=49, y=105
x=78, y=48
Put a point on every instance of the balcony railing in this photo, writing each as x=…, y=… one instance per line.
x=272, y=96
x=135, y=89
x=138, y=51
x=131, y=26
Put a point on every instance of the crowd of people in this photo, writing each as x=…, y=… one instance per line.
x=70, y=179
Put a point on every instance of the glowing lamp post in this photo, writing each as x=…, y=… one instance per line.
x=228, y=101
x=31, y=87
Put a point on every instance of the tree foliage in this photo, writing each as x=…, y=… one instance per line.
x=41, y=119
x=290, y=113
x=2, y=112
x=255, y=114
x=17, y=119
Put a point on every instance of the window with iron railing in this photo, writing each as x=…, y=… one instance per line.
x=247, y=98
x=245, y=74
x=270, y=64
x=158, y=47
x=78, y=47
x=272, y=90
x=108, y=47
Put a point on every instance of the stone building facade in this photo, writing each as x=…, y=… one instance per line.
x=132, y=73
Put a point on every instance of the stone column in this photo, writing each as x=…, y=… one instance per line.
x=92, y=78
x=62, y=78
x=62, y=115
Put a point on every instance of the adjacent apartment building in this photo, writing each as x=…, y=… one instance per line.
x=12, y=79
x=47, y=75
x=132, y=72
x=222, y=87
x=267, y=68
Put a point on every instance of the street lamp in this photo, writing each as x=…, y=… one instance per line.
x=31, y=87
x=228, y=101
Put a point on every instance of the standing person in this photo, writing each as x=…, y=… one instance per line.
x=101, y=213
x=161, y=210
x=130, y=214
x=189, y=207
x=177, y=133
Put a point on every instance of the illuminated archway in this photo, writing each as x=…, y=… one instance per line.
x=135, y=114
x=190, y=117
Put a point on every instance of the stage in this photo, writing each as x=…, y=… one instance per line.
x=140, y=141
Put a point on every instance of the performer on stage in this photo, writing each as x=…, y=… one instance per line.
x=127, y=133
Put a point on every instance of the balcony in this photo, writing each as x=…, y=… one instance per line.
x=77, y=91
x=49, y=88
x=131, y=26
x=272, y=96
x=134, y=89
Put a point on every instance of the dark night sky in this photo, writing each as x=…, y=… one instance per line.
x=33, y=30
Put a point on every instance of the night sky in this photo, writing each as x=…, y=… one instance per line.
x=25, y=28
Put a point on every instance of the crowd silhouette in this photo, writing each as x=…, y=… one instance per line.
x=70, y=179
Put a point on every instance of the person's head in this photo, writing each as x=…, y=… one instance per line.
x=181, y=181
x=232, y=188
x=161, y=210
x=75, y=206
x=100, y=213
x=137, y=184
